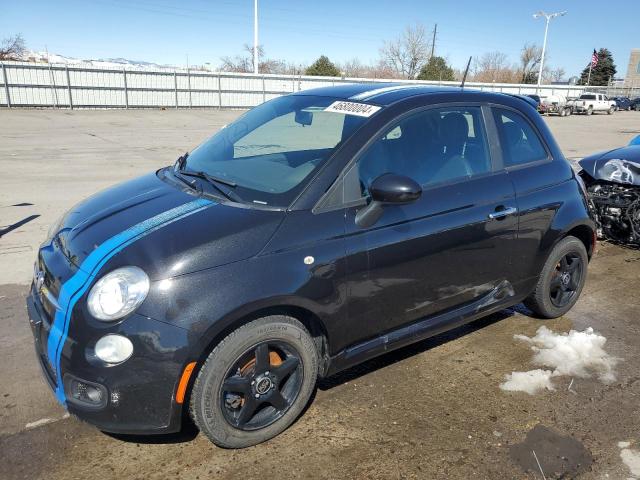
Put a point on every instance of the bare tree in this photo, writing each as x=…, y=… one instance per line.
x=12, y=48
x=356, y=69
x=243, y=63
x=530, y=58
x=408, y=53
x=493, y=67
x=557, y=74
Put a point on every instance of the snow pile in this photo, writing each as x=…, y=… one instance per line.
x=631, y=458
x=576, y=354
x=531, y=382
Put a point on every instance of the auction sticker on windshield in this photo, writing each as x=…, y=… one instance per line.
x=352, y=108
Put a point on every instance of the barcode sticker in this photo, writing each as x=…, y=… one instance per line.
x=352, y=108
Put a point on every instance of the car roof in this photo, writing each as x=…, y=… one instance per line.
x=385, y=94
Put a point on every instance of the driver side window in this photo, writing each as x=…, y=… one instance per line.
x=432, y=146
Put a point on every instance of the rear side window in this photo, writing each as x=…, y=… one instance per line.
x=520, y=142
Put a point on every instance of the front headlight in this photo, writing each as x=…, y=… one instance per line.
x=118, y=293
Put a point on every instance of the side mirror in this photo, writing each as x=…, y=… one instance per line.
x=387, y=189
x=303, y=117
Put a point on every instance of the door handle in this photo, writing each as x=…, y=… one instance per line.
x=505, y=212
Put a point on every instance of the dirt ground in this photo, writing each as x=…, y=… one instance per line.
x=432, y=410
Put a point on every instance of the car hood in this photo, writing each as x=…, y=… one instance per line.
x=164, y=230
x=621, y=165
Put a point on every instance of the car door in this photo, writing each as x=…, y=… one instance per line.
x=449, y=248
x=540, y=183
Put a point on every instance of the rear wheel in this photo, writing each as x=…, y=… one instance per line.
x=255, y=382
x=561, y=280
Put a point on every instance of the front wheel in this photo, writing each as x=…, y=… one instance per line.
x=561, y=280
x=610, y=111
x=590, y=111
x=255, y=382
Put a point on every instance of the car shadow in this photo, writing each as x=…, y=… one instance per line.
x=189, y=430
x=403, y=353
x=188, y=433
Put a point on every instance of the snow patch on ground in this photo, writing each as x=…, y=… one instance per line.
x=530, y=382
x=575, y=354
x=631, y=458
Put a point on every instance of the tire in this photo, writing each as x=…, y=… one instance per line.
x=552, y=280
x=610, y=111
x=563, y=113
x=589, y=111
x=235, y=413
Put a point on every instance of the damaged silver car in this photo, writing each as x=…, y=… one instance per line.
x=612, y=180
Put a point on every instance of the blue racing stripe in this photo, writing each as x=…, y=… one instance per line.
x=77, y=285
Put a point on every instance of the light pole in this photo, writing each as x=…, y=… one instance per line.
x=548, y=17
x=255, y=36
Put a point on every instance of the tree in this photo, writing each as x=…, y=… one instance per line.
x=436, y=69
x=12, y=48
x=557, y=74
x=323, y=67
x=530, y=57
x=604, y=71
x=243, y=63
x=408, y=53
x=356, y=69
x=493, y=67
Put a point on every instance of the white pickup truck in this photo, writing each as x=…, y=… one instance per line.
x=589, y=103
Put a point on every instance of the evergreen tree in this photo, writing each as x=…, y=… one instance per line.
x=436, y=69
x=323, y=67
x=604, y=71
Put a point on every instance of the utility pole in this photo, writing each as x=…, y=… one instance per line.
x=433, y=42
x=548, y=17
x=255, y=36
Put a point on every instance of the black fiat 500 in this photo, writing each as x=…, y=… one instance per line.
x=318, y=230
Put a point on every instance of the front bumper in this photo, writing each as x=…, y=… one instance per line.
x=140, y=393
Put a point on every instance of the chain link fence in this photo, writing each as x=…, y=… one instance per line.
x=61, y=86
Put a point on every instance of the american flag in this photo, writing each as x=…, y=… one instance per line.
x=594, y=58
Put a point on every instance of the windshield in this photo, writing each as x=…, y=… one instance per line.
x=273, y=150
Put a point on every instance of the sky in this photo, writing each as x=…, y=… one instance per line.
x=165, y=32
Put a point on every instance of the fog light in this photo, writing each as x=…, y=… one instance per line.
x=84, y=393
x=113, y=348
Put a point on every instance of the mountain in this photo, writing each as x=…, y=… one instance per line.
x=56, y=59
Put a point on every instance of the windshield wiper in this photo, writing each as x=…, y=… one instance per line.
x=176, y=174
x=209, y=177
x=229, y=194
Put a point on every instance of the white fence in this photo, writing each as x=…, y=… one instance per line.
x=59, y=86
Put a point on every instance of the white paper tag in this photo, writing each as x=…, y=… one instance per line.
x=352, y=108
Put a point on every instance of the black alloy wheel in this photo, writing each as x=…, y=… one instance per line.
x=261, y=386
x=566, y=280
x=255, y=382
x=561, y=279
